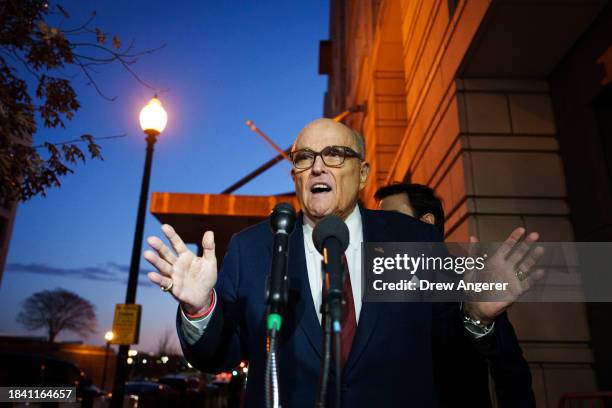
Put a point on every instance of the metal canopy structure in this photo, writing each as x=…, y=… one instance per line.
x=224, y=214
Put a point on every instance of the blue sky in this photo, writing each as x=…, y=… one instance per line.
x=223, y=63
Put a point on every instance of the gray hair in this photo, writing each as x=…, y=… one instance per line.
x=360, y=143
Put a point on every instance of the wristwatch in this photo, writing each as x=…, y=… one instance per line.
x=476, y=327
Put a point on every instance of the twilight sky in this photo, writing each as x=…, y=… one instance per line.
x=224, y=62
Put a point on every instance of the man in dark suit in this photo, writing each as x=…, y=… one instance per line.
x=391, y=356
x=510, y=373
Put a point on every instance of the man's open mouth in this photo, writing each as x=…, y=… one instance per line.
x=319, y=188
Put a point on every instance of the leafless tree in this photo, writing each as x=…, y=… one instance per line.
x=166, y=345
x=56, y=311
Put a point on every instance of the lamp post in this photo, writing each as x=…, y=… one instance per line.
x=153, y=120
x=108, y=337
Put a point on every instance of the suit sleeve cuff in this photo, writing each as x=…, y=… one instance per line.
x=193, y=328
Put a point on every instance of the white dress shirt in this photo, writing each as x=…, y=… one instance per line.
x=353, y=259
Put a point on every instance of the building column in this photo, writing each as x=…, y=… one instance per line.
x=513, y=176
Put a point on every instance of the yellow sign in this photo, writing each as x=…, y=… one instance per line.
x=126, y=324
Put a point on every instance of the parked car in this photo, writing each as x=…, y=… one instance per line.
x=190, y=389
x=36, y=370
x=151, y=394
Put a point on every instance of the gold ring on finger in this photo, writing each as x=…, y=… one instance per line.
x=167, y=288
x=521, y=275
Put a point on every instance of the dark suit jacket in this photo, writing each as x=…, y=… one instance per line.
x=403, y=354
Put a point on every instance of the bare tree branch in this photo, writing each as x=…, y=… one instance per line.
x=82, y=140
x=51, y=54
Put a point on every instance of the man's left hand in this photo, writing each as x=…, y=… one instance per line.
x=512, y=263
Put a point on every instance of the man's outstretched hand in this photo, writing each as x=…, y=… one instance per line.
x=191, y=278
x=513, y=262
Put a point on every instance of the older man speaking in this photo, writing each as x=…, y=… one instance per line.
x=398, y=354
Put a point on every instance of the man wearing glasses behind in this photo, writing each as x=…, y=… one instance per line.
x=388, y=357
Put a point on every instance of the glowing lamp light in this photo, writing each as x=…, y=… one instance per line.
x=109, y=336
x=153, y=117
x=130, y=360
x=164, y=359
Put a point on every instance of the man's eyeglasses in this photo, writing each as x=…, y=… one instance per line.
x=332, y=156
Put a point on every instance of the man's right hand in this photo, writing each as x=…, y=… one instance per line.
x=192, y=278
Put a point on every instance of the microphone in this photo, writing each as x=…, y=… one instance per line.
x=282, y=221
x=331, y=238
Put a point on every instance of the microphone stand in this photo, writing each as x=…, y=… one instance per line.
x=326, y=360
x=331, y=238
x=331, y=311
x=271, y=381
x=283, y=222
x=276, y=298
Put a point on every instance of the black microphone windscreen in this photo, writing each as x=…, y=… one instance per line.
x=282, y=218
x=331, y=226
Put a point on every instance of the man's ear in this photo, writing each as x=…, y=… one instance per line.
x=364, y=172
x=428, y=218
x=293, y=173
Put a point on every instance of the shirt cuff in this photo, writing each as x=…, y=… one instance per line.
x=194, y=328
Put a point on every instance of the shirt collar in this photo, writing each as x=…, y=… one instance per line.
x=353, y=222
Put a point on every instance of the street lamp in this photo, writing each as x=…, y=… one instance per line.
x=153, y=120
x=108, y=337
x=153, y=117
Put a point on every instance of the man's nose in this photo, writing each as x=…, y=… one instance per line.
x=318, y=166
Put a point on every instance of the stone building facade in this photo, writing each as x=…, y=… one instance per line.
x=504, y=108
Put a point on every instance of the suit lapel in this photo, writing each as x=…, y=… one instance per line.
x=373, y=231
x=300, y=295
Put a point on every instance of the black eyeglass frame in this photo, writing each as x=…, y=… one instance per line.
x=346, y=151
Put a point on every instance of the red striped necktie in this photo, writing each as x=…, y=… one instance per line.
x=349, y=320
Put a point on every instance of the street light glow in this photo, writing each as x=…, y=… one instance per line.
x=109, y=336
x=153, y=117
